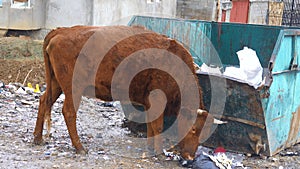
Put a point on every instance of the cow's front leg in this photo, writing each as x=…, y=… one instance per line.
x=154, y=136
x=70, y=108
x=155, y=118
x=150, y=137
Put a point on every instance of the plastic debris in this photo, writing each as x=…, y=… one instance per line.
x=209, y=159
x=289, y=153
x=37, y=89
x=21, y=90
x=250, y=69
x=2, y=85
x=210, y=69
x=171, y=156
x=25, y=102
x=220, y=160
x=107, y=104
x=220, y=150
x=204, y=162
x=11, y=88
x=29, y=85
x=43, y=88
x=186, y=163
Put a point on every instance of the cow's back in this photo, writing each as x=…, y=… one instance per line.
x=100, y=50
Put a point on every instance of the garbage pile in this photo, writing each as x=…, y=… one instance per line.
x=20, y=98
x=249, y=71
x=207, y=158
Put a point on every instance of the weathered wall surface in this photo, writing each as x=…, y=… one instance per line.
x=196, y=9
x=50, y=14
x=24, y=16
x=258, y=11
x=103, y=12
x=68, y=13
x=120, y=12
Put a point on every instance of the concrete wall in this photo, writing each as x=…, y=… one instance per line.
x=50, y=14
x=196, y=9
x=68, y=13
x=103, y=12
x=114, y=12
x=27, y=16
x=258, y=11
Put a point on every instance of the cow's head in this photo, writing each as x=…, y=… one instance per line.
x=191, y=136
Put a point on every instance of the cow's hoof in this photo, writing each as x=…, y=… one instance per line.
x=38, y=141
x=81, y=152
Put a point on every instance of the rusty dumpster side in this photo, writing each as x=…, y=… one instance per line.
x=260, y=121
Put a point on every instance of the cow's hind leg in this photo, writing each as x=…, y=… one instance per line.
x=51, y=94
x=55, y=92
x=71, y=105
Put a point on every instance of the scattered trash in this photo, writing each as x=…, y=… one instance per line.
x=21, y=90
x=29, y=85
x=2, y=85
x=289, y=153
x=204, y=162
x=25, y=102
x=220, y=150
x=209, y=159
x=11, y=88
x=107, y=104
x=186, y=163
x=171, y=156
x=105, y=157
x=210, y=69
x=47, y=153
x=37, y=89
x=250, y=70
x=273, y=159
x=43, y=88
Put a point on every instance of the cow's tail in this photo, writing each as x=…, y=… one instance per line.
x=49, y=74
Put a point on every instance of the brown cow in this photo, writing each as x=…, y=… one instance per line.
x=65, y=47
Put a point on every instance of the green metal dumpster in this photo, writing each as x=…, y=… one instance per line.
x=259, y=121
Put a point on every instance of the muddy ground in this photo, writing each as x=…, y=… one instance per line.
x=21, y=60
x=99, y=125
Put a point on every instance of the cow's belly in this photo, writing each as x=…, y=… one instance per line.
x=100, y=92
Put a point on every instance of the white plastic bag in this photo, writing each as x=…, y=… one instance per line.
x=250, y=65
x=210, y=70
x=250, y=68
x=235, y=72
